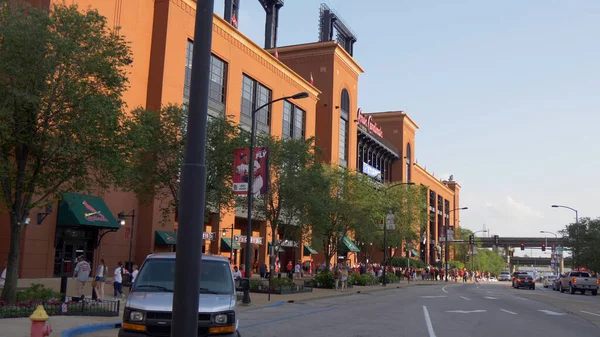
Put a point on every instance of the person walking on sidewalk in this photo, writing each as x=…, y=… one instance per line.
x=101, y=274
x=82, y=273
x=3, y=275
x=118, y=280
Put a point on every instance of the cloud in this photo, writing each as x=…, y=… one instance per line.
x=519, y=209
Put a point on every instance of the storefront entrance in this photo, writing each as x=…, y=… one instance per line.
x=71, y=243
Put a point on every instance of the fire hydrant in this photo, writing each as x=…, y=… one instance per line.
x=38, y=323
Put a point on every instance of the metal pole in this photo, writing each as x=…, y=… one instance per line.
x=131, y=238
x=446, y=255
x=193, y=182
x=231, y=248
x=384, y=251
x=246, y=298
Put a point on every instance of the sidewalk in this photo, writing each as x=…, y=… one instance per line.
x=20, y=327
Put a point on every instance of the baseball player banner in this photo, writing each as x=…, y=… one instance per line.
x=241, y=170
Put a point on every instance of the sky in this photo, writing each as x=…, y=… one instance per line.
x=505, y=94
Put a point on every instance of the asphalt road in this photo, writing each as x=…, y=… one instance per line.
x=442, y=310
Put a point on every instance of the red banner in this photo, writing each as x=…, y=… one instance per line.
x=241, y=170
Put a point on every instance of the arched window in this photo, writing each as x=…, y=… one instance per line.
x=344, y=127
x=408, y=168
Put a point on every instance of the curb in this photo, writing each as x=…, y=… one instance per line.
x=85, y=329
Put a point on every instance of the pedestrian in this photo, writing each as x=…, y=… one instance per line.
x=263, y=270
x=134, y=274
x=101, y=273
x=118, y=280
x=82, y=273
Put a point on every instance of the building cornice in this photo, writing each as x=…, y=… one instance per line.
x=328, y=47
x=433, y=179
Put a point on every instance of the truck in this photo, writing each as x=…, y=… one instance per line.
x=580, y=281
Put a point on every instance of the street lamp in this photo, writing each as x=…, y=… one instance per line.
x=576, y=222
x=553, y=246
x=224, y=234
x=300, y=95
x=122, y=216
x=390, y=217
x=446, y=253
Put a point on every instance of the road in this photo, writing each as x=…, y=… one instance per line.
x=445, y=310
x=440, y=310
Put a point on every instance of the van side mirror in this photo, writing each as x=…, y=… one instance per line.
x=244, y=285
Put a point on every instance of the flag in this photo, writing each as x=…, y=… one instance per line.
x=234, y=21
x=312, y=80
x=276, y=53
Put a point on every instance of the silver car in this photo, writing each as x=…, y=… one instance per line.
x=504, y=276
x=549, y=281
x=148, y=309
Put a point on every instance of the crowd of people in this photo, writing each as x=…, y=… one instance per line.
x=83, y=272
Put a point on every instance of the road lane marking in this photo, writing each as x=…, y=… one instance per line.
x=434, y=296
x=552, y=313
x=521, y=298
x=444, y=289
x=464, y=298
x=590, y=313
x=428, y=322
x=510, y=312
x=465, y=311
x=490, y=298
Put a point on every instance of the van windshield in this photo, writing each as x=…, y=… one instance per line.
x=159, y=275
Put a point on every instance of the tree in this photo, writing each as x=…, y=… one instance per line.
x=343, y=202
x=461, y=251
x=284, y=204
x=62, y=76
x=159, y=138
x=583, y=239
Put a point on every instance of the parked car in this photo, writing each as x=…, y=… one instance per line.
x=555, y=284
x=504, y=276
x=148, y=309
x=549, y=281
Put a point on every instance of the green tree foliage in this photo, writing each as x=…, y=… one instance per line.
x=583, y=239
x=62, y=76
x=462, y=250
x=159, y=138
x=291, y=165
x=488, y=260
x=343, y=202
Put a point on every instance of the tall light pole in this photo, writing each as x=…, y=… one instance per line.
x=193, y=182
x=446, y=252
x=553, y=246
x=300, y=95
x=385, y=225
x=576, y=222
x=122, y=216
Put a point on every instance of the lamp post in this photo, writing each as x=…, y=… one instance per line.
x=122, y=216
x=446, y=253
x=224, y=234
x=576, y=222
x=553, y=246
x=390, y=217
x=193, y=182
x=300, y=95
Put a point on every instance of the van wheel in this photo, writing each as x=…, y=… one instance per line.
x=560, y=288
x=594, y=292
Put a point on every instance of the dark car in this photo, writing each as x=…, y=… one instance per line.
x=515, y=275
x=524, y=281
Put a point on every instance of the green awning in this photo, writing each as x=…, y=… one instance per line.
x=281, y=249
x=87, y=210
x=165, y=238
x=350, y=245
x=308, y=250
x=415, y=253
x=229, y=245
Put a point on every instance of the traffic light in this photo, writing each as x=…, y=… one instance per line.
x=496, y=240
x=522, y=246
x=468, y=257
x=543, y=247
x=471, y=239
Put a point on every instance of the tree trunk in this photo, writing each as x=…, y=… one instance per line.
x=9, y=293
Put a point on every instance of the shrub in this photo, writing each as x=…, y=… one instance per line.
x=324, y=279
x=390, y=278
x=403, y=262
x=365, y=279
x=37, y=292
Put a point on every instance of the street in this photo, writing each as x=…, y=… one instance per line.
x=441, y=310
x=448, y=310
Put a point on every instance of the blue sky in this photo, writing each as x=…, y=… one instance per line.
x=505, y=94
